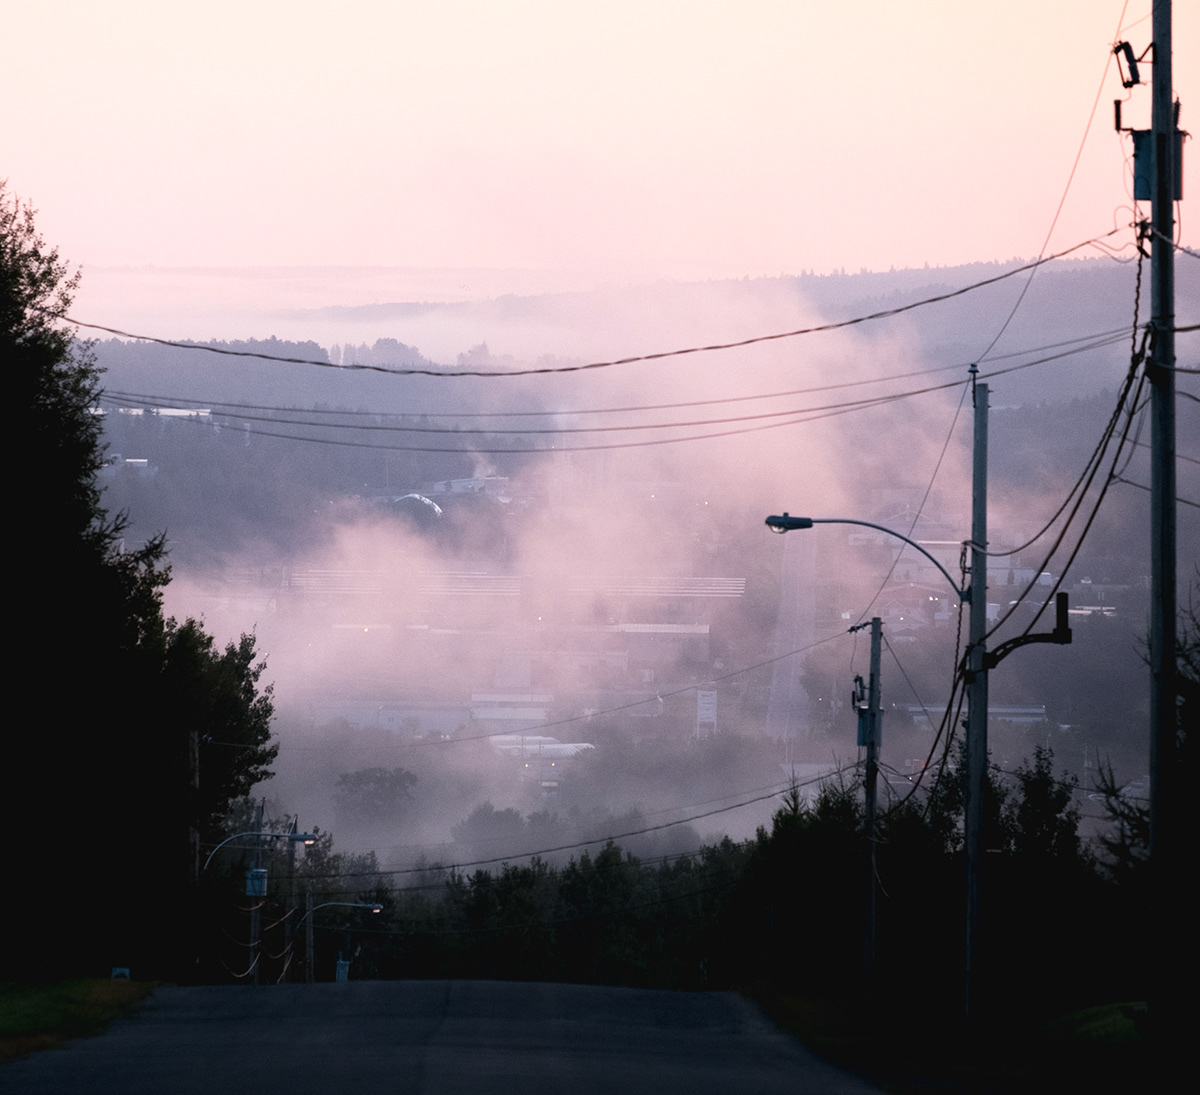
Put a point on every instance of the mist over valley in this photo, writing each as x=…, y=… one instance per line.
x=531, y=592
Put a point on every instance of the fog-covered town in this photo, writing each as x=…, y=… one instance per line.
x=650, y=548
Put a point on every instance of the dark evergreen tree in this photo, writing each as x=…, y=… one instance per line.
x=97, y=791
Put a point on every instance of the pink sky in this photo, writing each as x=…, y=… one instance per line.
x=677, y=138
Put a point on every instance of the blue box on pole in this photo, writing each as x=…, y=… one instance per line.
x=1142, y=154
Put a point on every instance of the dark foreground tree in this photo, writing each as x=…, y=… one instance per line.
x=97, y=797
x=214, y=698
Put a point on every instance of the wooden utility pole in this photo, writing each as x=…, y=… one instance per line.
x=288, y=929
x=257, y=898
x=975, y=807
x=1166, y=865
x=308, y=934
x=870, y=727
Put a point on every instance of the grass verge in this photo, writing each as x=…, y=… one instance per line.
x=34, y=1017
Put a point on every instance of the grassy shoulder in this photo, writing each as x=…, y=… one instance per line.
x=909, y=1050
x=34, y=1017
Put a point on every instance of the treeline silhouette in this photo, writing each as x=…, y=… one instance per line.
x=781, y=911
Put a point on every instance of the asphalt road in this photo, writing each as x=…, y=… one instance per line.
x=434, y=1037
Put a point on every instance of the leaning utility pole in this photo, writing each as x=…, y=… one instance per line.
x=1165, y=862
x=977, y=696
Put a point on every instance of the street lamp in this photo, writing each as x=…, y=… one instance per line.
x=786, y=523
x=307, y=839
x=976, y=664
x=308, y=932
x=375, y=908
x=256, y=878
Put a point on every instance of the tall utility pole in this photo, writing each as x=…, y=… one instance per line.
x=977, y=697
x=308, y=933
x=288, y=941
x=257, y=898
x=1165, y=863
x=870, y=725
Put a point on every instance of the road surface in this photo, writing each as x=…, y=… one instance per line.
x=434, y=1038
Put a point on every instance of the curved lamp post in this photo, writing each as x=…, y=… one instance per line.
x=375, y=908
x=977, y=662
x=256, y=879
x=786, y=523
x=308, y=939
x=307, y=839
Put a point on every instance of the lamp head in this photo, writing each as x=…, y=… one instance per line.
x=785, y=523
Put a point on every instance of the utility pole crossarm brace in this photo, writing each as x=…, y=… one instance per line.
x=1061, y=635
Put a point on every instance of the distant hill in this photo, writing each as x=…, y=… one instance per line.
x=1065, y=300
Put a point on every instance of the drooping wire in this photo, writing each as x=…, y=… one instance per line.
x=1097, y=454
x=619, y=428
x=634, y=359
x=1063, y=199
x=948, y=724
x=908, y=681
x=1140, y=375
x=1083, y=343
x=575, y=845
x=802, y=415
x=921, y=508
x=1142, y=486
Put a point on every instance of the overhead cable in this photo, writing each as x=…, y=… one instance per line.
x=1134, y=373
x=1082, y=343
x=1062, y=200
x=574, y=845
x=543, y=370
x=799, y=415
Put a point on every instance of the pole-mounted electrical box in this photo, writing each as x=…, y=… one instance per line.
x=1142, y=152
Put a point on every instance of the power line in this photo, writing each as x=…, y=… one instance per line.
x=1094, y=340
x=599, y=840
x=1178, y=455
x=921, y=508
x=1142, y=486
x=1085, y=477
x=912, y=687
x=551, y=369
x=949, y=718
x=801, y=415
x=1063, y=199
x=1133, y=373
x=645, y=815
x=561, y=430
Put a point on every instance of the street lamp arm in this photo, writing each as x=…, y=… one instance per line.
x=786, y=523
x=375, y=908
x=306, y=838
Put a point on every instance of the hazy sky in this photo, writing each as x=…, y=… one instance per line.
x=682, y=138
